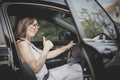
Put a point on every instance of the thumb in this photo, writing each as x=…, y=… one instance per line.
x=44, y=39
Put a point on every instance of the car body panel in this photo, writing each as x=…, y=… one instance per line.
x=95, y=52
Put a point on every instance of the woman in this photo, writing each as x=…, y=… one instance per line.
x=35, y=58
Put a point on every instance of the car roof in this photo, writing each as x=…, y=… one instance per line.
x=62, y=2
x=58, y=3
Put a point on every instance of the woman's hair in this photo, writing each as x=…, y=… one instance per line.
x=22, y=26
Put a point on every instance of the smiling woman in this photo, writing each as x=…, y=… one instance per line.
x=22, y=26
x=36, y=57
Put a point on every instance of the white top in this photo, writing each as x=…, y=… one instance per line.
x=36, y=54
x=43, y=70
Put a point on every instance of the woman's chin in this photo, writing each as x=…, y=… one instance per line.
x=32, y=35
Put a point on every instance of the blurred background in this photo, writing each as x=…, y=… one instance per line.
x=112, y=7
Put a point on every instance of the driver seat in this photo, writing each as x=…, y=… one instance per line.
x=27, y=72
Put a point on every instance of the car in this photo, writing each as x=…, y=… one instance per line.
x=83, y=21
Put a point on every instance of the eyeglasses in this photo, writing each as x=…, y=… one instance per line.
x=34, y=26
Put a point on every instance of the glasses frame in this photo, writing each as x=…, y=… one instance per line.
x=34, y=26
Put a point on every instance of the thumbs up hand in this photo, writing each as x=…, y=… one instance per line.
x=47, y=44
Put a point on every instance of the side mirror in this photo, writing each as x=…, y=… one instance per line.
x=67, y=36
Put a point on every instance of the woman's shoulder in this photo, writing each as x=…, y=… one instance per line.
x=22, y=43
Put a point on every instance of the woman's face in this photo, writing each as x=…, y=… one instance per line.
x=32, y=29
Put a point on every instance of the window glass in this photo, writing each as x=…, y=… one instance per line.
x=2, y=39
x=54, y=25
x=93, y=19
x=65, y=17
x=51, y=31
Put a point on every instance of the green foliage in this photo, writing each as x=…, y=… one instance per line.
x=91, y=23
x=46, y=29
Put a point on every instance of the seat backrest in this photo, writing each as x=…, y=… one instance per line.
x=28, y=74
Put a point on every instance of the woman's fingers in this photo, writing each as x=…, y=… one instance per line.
x=47, y=44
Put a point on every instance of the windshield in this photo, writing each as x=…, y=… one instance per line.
x=92, y=19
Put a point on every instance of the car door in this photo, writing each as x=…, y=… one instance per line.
x=8, y=67
x=56, y=24
x=99, y=38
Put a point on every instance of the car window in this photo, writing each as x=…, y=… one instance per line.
x=93, y=19
x=66, y=17
x=2, y=39
x=55, y=25
x=52, y=32
x=47, y=29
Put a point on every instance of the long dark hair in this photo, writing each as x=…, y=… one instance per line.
x=22, y=26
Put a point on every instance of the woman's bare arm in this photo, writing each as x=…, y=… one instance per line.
x=58, y=51
x=28, y=56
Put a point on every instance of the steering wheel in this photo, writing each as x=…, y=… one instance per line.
x=74, y=54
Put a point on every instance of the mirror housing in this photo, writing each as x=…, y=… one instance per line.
x=67, y=36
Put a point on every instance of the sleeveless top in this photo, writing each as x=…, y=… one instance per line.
x=43, y=71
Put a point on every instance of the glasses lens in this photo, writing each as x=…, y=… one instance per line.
x=38, y=26
x=34, y=26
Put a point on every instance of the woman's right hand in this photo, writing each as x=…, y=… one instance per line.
x=47, y=44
